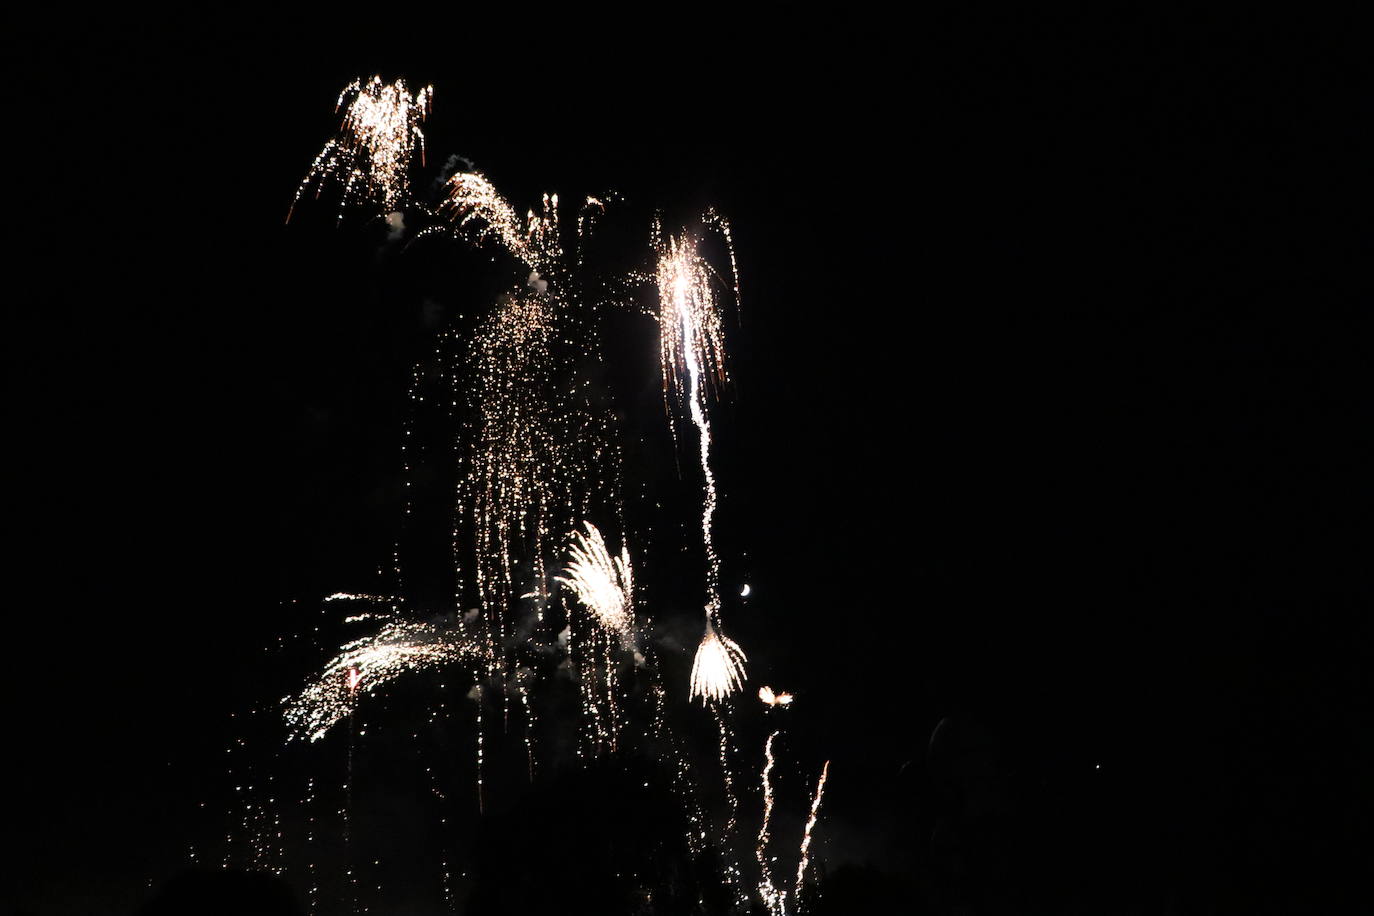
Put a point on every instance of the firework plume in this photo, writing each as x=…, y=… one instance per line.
x=369, y=158
x=364, y=665
x=604, y=584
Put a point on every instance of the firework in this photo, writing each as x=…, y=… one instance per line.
x=718, y=669
x=604, y=584
x=779, y=699
x=775, y=900
x=364, y=665
x=511, y=493
x=478, y=209
x=691, y=336
x=810, y=824
x=370, y=157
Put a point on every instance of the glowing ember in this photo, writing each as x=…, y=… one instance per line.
x=781, y=699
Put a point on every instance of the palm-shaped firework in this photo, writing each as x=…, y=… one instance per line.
x=603, y=583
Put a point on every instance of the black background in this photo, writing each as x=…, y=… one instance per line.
x=1051, y=420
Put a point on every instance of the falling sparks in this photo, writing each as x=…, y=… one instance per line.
x=604, y=584
x=718, y=669
x=363, y=665
x=370, y=156
x=771, y=699
x=477, y=208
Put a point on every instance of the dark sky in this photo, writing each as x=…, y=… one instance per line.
x=1051, y=421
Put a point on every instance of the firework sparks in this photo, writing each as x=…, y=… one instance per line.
x=476, y=207
x=810, y=824
x=775, y=900
x=779, y=699
x=604, y=584
x=718, y=669
x=370, y=157
x=691, y=336
x=364, y=665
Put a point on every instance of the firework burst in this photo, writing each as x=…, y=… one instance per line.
x=370, y=157
x=604, y=584
x=775, y=900
x=366, y=664
x=718, y=669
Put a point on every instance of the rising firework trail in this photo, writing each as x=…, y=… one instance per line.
x=369, y=159
x=775, y=900
x=535, y=457
x=810, y=825
x=718, y=668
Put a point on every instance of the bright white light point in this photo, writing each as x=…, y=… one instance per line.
x=744, y=592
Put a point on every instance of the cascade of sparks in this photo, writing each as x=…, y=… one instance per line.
x=518, y=451
x=604, y=584
x=810, y=825
x=477, y=208
x=364, y=665
x=370, y=156
x=691, y=336
x=540, y=456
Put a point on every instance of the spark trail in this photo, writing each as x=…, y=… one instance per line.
x=604, y=584
x=810, y=825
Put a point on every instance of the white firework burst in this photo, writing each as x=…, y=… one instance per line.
x=604, y=584
x=363, y=665
x=718, y=669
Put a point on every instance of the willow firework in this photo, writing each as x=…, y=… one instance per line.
x=369, y=159
x=718, y=668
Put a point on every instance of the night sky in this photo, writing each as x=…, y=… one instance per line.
x=1046, y=455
